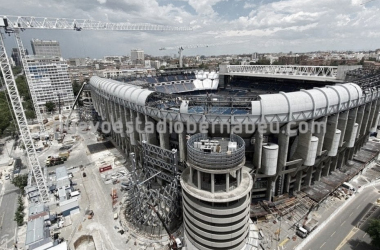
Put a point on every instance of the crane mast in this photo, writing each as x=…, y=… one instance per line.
x=29, y=80
x=18, y=110
x=15, y=24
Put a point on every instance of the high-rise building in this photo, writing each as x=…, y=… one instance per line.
x=50, y=81
x=16, y=56
x=137, y=56
x=46, y=48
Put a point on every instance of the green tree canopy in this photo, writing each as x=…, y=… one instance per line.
x=5, y=113
x=21, y=181
x=50, y=106
x=373, y=231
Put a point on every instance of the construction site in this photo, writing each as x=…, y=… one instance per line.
x=100, y=179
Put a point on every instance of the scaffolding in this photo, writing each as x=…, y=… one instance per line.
x=155, y=183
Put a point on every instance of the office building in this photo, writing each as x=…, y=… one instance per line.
x=51, y=82
x=137, y=56
x=46, y=48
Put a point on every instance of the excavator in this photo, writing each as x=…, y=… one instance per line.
x=174, y=243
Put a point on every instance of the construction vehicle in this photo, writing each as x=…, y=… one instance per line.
x=64, y=155
x=52, y=161
x=174, y=243
x=307, y=226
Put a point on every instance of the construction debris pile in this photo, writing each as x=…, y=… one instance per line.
x=295, y=208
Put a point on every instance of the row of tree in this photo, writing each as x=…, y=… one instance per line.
x=19, y=215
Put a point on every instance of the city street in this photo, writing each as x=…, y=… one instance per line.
x=8, y=205
x=341, y=227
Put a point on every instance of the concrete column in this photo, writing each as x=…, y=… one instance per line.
x=270, y=187
x=164, y=137
x=342, y=124
x=123, y=127
x=359, y=119
x=341, y=160
x=350, y=124
x=320, y=131
x=326, y=169
x=287, y=183
x=227, y=182
x=127, y=118
x=141, y=127
x=304, y=140
x=133, y=134
x=376, y=119
x=317, y=174
x=199, y=179
x=182, y=146
x=283, y=145
x=372, y=116
x=334, y=163
x=367, y=114
x=331, y=127
x=212, y=183
x=297, y=183
x=150, y=125
x=351, y=152
x=258, y=149
x=308, y=176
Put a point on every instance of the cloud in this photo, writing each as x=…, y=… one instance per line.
x=297, y=25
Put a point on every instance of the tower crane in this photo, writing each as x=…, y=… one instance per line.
x=183, y=47
x=15, y=24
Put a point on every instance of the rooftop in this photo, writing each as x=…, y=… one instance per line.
x=37, y=231
x=61, y=173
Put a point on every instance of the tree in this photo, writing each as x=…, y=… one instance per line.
x=19, y=215
x=16, y=70
x=5, y=113
x=21, y=181
x=373, y=231
x=50, y=106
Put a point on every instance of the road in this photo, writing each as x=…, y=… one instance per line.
x=8, y=205
x=343, y=224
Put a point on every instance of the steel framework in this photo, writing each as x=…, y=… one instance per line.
x=29, y=79
x=159, y=163
x=29, y=22
x=14, y=24
x=290, y=70
x=18, y=110
x=161, y=160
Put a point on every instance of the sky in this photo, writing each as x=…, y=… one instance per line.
x=264, y=26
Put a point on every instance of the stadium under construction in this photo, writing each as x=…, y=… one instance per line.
x=245, y=138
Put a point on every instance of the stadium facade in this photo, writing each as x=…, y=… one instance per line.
x=293, y=133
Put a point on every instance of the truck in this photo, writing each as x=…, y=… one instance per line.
x=52, y=161
x=310, y=225
x=64, y=155
x=348, y=186
x=301, y=232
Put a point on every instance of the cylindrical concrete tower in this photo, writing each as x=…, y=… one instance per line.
x=351, y=142
x=335, y=143
x=312, y=153
x=216, y=194
x=270, y=156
